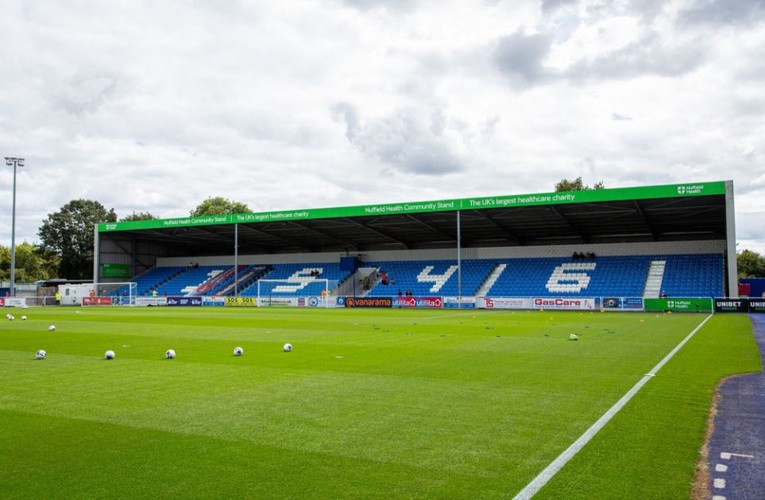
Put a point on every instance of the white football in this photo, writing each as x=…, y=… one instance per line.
x=51, y=328
x=287, y=347
x=10, y=317
x=109, y=355
x=238, y=351
x=170, y=354
x=23, y=318
x=40, y=354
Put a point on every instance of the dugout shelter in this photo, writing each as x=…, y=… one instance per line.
x=690, y=217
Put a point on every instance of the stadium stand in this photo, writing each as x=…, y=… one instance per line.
x=155, y=277
x=308, y=278
x=698, y=275
x=190, y=280
x=427, y=278
x=693, y=275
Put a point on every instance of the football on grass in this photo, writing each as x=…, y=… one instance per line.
x=40, y=354
x=51, y=328
x=287, y=347
x=109, y=355
x=238, y=351
x=170, y=354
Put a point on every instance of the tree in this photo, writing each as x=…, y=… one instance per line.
x=68, y=234
x=750, y=264
x=138, y=216
x=32, y=263
x=219, y=206
x=576, y=185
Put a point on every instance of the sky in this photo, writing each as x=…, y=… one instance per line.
x=150, y=106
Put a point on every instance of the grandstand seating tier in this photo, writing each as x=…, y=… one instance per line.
x=607, y=276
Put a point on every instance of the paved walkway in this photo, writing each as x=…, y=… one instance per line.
x=737, y=445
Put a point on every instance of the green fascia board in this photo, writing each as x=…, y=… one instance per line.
x=482, y=203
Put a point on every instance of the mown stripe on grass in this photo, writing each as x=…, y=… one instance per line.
x=538, y=482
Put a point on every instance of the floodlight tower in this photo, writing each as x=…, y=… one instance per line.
x=15, y=162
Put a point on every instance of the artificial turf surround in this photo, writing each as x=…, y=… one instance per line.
x=416, y=404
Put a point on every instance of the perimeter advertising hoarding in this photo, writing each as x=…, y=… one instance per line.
x=365, y=302
x=241, y=302
x=214, y=301
x=418, y=302
x=757, y=305
x=489, y=202
x=563, y=304
x=503, y=303
x=312, y=301
x=624, y=303
x=151, y=301
x=13, y=302
x=460, y=302
x=278, y=302
x=184, y=301
x=679, y=305
x=96, y=301
x=731, y=305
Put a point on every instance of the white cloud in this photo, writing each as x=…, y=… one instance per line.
x=148, y=106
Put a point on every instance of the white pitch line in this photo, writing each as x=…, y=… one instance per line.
x=726, y=456
x=544, y=477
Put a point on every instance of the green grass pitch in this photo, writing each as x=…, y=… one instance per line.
x=370, y=403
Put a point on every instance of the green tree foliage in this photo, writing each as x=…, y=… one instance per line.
x=750, y=264
x=219, y=206
x=68, y=234
x=139, y=216
x=32, y=263
x=5, y=263
x=576, y=185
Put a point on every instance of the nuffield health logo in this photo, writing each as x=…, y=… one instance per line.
x=690, y=189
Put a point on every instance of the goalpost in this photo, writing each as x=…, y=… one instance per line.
x=304, y=291
x=120, y=294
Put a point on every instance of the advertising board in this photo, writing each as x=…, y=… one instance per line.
x=731, y=305
x=184, y=301
x=623, y=303
x=214, y=301
x=96, y=301
x=367, y=302
x=503, y=303
x=241, y=302
x=13, y=302
x=419, y=302
x=459, y=303
x=150, y=301
x=564, y=304
x=757, y=305
x=679, y=305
